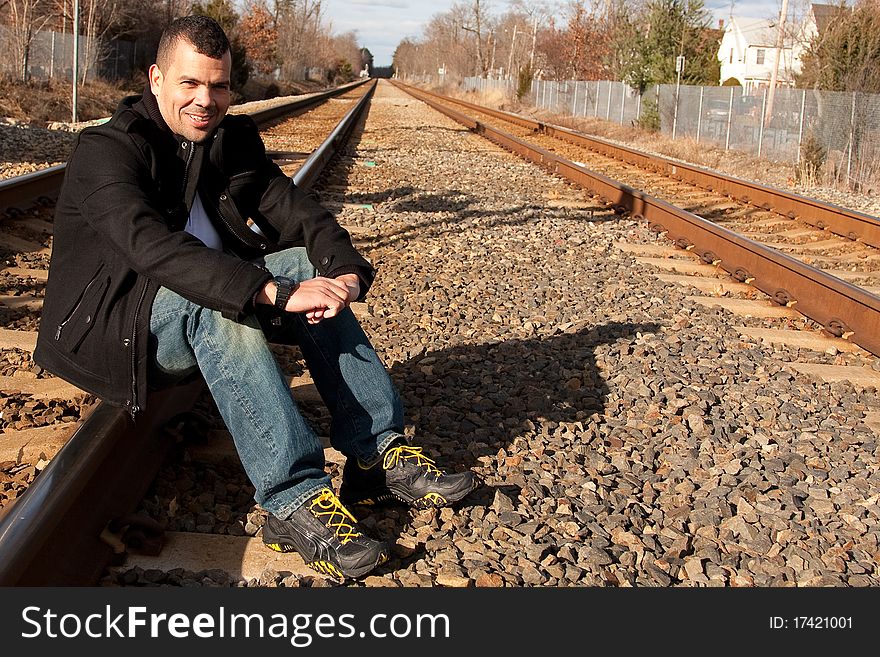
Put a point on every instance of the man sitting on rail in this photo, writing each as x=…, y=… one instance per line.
x=156, y=275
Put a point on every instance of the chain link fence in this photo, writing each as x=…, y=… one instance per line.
x=838, y=132
x=51, y=56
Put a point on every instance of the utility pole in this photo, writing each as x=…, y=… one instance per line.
x=679, y=67
x=775, y=75
x=75, y=58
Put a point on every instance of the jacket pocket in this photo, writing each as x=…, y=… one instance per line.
x=245, y=189
x=76, y=325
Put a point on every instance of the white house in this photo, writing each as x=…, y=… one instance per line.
x=748, y=54
x=748, y=47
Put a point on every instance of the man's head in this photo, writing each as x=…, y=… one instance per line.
x=191, y=76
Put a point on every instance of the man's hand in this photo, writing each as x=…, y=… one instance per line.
x=319, y=298
x=353, y=283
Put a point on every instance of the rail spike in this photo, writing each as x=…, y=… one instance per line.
x=742, y=275
x=838, y=328
x=684, y=243
x=710, y=258
x=784, y=298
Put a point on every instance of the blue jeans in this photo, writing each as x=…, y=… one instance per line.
x=279, y=450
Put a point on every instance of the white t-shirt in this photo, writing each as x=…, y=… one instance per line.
x=199, y=225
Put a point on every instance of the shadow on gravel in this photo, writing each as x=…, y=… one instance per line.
x=468, y=402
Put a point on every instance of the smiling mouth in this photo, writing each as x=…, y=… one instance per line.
x=200, y=120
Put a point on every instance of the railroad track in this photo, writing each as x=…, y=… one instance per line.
x=94, y=464
x=597, y=473
x=800, y=252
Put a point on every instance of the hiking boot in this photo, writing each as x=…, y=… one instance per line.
x=404, y=474
x=327, y=538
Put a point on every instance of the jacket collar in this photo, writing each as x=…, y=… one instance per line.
x=151, y=105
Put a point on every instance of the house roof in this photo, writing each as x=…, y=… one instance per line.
x=755, y=31
x=824, y=14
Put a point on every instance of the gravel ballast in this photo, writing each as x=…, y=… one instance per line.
x=627, y=436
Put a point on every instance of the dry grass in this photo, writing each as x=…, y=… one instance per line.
x=41, y=102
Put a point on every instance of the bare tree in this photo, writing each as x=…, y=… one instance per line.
x=24, y=19
x=259, y=35
x=300, y=26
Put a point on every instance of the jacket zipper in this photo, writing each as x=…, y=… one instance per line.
x=248, y=241
x=134, y=408
x=189, y=158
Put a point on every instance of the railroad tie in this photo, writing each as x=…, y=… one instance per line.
x=29, y=445
x=746, y=307
x=48, y=388
x=239, y=556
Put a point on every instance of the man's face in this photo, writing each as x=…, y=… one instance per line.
x=193, y=91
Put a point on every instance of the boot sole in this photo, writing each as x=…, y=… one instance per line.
x=330, y=568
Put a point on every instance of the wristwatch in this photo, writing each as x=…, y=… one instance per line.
x=284, y=287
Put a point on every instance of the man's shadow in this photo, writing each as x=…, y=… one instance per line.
x=467, y=402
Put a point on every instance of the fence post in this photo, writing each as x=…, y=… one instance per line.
x=52, y=60
x=608, y=106
x=761, y=129
x=852, y=138
x=729, y=120
x=801, y=125
x=574, y=101
x=596, y=107
x=700, y=114
x=622, y=101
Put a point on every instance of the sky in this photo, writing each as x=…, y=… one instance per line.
x=381, y=25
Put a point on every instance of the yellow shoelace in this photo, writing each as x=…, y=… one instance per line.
x=406, y=452
x=327, y=504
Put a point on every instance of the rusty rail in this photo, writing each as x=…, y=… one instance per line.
x=843, y=309
x=853, y=225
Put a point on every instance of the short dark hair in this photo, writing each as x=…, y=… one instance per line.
x=205, y=35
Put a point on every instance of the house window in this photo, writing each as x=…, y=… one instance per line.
x=760, y=58
x=731, y=57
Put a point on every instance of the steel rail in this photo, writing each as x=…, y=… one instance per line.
x=851, y=224
x=841, y=308
x=308, y=173
x=54, y=534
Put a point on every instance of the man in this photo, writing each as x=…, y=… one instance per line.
x=156, y=275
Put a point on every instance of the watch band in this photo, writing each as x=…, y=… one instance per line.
x=284, y=287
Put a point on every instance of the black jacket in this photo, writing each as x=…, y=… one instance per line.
x=118, y=237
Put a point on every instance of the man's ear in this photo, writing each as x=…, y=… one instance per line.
x=156, y=79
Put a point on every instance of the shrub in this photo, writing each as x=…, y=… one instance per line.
x=524, y=82
x=649, y=119
x=813, y=156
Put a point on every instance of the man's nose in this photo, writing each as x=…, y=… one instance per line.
x=203, y=96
